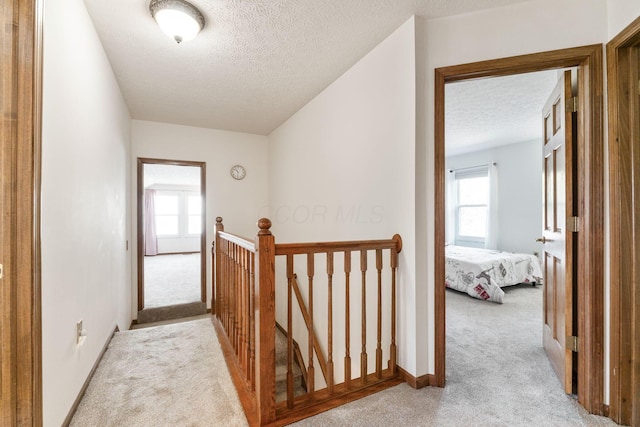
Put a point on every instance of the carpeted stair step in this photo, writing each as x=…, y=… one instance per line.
x=281, y=370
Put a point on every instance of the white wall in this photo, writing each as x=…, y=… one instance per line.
x=518, y=29
x=85, y=168
x=519, y=191
x=621, y=13
x=239, y=203
x=342, y=168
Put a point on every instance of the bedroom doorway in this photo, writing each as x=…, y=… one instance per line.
x=495, y=300
x=171, y=239
x=589, y=192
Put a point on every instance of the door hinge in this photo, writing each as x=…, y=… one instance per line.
x=572, y=105
x=1, y=271
x=572, y=343
x=574, y=224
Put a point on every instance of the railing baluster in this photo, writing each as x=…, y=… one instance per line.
x=234, y=287
x=225, y=288
x=330, y=319
x=289, y=331
x=363, y=353
x=392, y=350
x=238, y=296
x=245, y=310
x=252, y=323
x=379, y=347
x=311, y=371
x=347, y=316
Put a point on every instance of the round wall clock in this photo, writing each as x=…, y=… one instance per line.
x=238, y=172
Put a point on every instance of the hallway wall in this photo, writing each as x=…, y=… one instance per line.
x=342, y=168
x=85, y=203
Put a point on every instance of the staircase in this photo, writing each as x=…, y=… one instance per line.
x=281, y=370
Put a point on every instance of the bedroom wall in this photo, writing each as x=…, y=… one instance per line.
x=621, y=13
x=239, y=203
x=85, y=203
x=342, y=168
x=519, y=191
x=518, y=29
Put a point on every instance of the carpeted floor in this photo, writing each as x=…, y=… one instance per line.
x=171, y=375
x=171, y=279
x=497, y=375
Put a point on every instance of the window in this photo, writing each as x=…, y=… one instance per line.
x=167, y=218
x=178, y=213
x=472, y=205
x=194, y=211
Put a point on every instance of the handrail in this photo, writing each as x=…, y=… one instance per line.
x=238, y=240
x=355, y=245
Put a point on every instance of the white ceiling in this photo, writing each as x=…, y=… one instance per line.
x=491, y=112
x=256, y=62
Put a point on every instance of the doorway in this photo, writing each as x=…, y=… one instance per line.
x=590, y=242
x=171, y=237
x=494, y=159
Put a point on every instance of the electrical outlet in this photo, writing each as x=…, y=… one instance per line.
x=80, y=332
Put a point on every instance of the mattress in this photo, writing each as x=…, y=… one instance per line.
x=482, y=273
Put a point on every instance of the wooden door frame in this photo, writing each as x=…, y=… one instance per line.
x=140, y=238
x=590, y=248
x=21, y=50
x=624, y=133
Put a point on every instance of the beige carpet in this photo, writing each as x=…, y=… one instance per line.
x=171, y=375
x=171, y=279
x=497, y=375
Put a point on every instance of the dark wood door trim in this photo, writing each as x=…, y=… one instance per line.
x=623, y=53
x=140, y=235
x=590, y=248
x=20, y=142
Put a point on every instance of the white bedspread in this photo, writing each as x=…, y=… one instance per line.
x=482, y=272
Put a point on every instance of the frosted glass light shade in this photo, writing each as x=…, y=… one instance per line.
x=178, y=19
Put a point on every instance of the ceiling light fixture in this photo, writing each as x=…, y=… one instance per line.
x=178, y=19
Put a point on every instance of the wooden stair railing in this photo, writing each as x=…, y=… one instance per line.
x=244, y=305
x=339, y=391
x=243, y=287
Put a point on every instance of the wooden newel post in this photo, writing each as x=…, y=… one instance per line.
x=265, y=323
x=215, y=266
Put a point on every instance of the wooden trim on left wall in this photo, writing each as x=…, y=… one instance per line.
x=83, y=390
x=20, y=139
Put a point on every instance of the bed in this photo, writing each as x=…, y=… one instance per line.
x=482, y=273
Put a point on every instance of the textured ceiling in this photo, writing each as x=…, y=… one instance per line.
x=497, y=111
x=256, y=62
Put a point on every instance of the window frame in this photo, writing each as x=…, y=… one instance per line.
x=459, y=175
